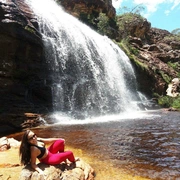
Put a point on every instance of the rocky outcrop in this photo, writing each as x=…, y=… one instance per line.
x=91, y=8
x=22, y=66
x=133, y=25
x=73, y=171
x=173, y=88
x=93, y=12
x=155, y=50
x=33, y=120
x=7, y=143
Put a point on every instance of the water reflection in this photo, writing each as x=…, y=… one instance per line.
x=146, y=147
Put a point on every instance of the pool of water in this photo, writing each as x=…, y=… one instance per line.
x=147, y=146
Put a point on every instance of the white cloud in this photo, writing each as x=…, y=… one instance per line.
x=116, y=3
x=152, y=5
x=175, y=3
x=167, y=12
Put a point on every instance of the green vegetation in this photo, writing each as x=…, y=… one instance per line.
x=100, y=22
x=175, y=66
x=125, y=23
x=172, y=37
x=103, y=24
x=176, y=31
x=166, y=78
x=131, y=53
x=89, y=19
x=135, y=10
x=30, y=29
x=167, y=101
x=127, y=19
x=106, y=26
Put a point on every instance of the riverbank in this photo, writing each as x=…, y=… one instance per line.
x=10, y=167
x=138, y=148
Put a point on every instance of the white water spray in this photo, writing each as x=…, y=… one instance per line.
x=91, y=75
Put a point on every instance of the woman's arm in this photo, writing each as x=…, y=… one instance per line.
x=48, y=140
x=34, y=153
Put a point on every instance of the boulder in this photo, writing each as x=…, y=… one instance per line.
x=173, y=88
x=4, y=144
x=72, y=171
x=7, y=143
x=33, y=120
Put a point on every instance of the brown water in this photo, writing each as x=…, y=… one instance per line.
x=144, y=147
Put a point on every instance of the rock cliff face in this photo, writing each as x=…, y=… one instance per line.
x=22, y=65
x=89, y=12
x=156, y=54
x=92, y=7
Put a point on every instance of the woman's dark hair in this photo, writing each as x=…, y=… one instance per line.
x=24, y=150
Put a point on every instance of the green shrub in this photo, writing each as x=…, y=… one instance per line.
x=175, y=66
x=167, y=101
x=132, y=53
x=30, y=29
x=103, y=24
x=172, y=37
x=166, y=78
x=176, y=103
x=88, y=19
x=125, y=22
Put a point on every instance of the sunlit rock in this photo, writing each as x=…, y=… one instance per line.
x=94, y=7
x=173, y=88
x=4, y=144
x=7, y=143
x=73, y=171
x=32, y=120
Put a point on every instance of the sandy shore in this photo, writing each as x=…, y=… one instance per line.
x=10, y=167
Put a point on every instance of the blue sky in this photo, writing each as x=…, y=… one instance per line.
x=163, y=14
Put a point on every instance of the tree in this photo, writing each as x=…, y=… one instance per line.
x=103, y=23
x=176, y=31
x=135, y=10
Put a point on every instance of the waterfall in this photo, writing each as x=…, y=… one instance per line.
x=91, y=75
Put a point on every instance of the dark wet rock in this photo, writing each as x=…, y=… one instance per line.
x=23, y=69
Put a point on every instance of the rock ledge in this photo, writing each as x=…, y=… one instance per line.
x=73, y=171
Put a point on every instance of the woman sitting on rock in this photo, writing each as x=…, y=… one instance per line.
x=33, y=147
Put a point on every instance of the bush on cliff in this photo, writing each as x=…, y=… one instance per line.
x=167, y=101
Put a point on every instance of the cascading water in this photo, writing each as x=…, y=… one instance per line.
x=91, y=75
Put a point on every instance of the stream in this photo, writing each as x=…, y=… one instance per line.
x=147, y=145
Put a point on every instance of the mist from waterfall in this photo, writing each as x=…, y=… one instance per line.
x=91, y=75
